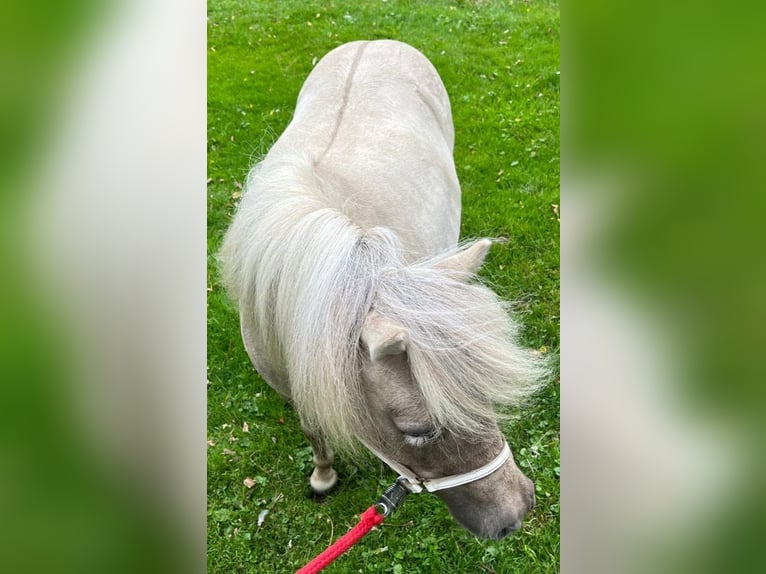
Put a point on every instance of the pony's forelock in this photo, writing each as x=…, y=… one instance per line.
x=463, y=350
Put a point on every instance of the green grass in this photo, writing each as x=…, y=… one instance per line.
x=499, y=62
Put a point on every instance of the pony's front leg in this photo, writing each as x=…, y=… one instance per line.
x=324, y=478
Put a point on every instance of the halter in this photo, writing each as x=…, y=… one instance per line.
x=414, y=483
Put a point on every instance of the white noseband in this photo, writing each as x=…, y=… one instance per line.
x=414, y=483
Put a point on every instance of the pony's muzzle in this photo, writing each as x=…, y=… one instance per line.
x=494, y=507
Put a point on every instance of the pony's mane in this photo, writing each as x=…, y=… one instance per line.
x=307, y=277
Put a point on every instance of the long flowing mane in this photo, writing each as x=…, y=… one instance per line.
x=307, y=277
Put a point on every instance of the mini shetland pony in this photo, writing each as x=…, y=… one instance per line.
x=357, y=304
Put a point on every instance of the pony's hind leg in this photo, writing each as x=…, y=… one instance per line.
x=324, y=478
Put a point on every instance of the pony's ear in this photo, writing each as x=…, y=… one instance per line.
x=469, y=260
x=383, y=337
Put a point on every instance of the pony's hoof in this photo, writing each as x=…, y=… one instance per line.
x=321, y=487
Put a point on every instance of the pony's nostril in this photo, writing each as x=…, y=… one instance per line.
x=510, y=529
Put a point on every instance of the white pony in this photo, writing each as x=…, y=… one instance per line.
x=357, y=304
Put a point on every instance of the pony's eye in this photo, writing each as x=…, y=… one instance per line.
x=420, y=438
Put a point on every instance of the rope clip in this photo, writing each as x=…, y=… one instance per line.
x=393, y=496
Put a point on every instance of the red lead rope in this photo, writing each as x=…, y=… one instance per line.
x=367, y=521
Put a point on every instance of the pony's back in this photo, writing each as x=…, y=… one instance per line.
x=374, y=120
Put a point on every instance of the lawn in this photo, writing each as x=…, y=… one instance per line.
x=500, y=64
